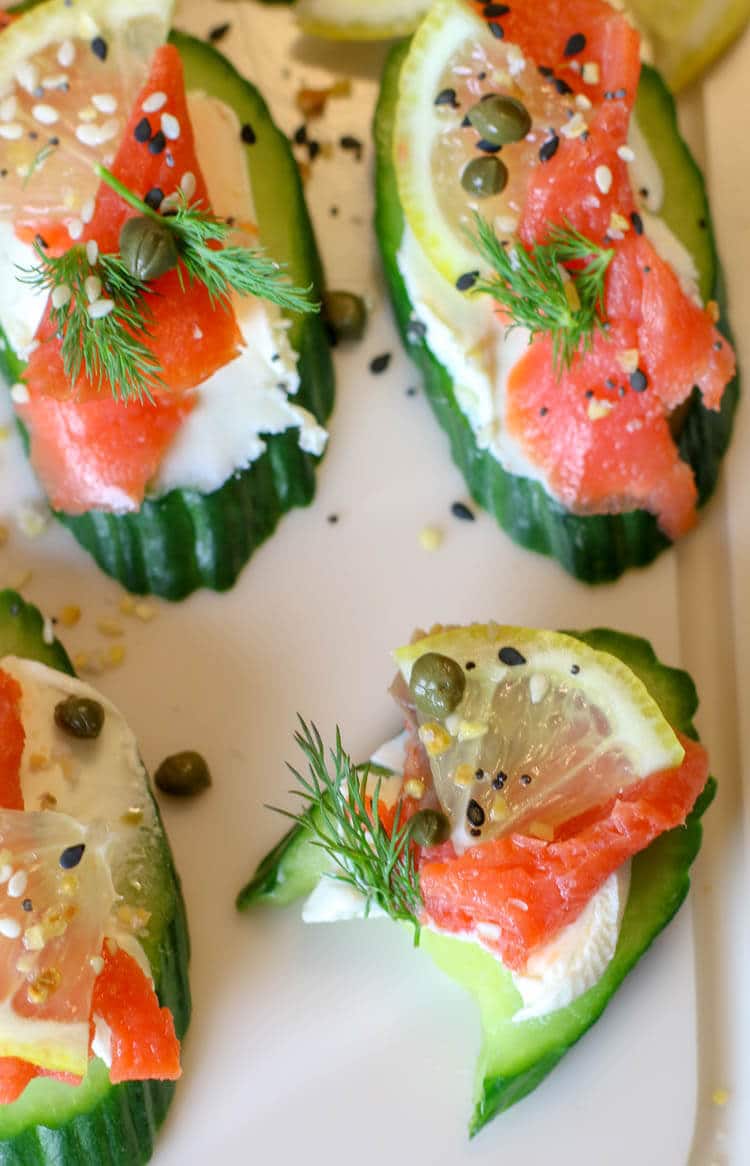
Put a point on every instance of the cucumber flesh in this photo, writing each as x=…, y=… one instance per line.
x=515, y=1058
x=595, y=548
x=54, y=1124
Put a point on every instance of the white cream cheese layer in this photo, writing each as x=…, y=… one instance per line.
x=465, y=335
x=557, y=973
x=248, y=399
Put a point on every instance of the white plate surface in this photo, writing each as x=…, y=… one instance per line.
x=334, y=1044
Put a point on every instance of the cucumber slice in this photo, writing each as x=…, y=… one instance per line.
x=53, y=1124
x=597, y=548
x=515, y=1058
x=186, y=540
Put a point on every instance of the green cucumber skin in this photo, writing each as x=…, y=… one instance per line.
x=525, y=1053
x=186, y=540
x=119, y=1127
x=597, y=548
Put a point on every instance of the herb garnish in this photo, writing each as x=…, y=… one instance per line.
x=106, y=334
x=343, y=819
x=540, y=291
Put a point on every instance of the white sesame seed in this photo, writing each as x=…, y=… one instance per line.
x=583, y=102
x=603, y=178
x=46, y=115
x=96, y=135
x=154, y=102
x=19, y=394
x=17, y=884
x=8, y=108
x=11, y=131
x=109, y=130
x=170, y=127
x=10, y=928
x=6, y=870
x=92, y=251
x=97, y=964
x=100, y=308
x=87, y=210
x=197, y=332
x=538, y=685
x=105, y=102
x=55, y=81
x=188, y=184
x=66, y=54
x=75, y=228
x=625, y=153
x=48, y=631
x=61, y=295
x=27, y=76
x=92, y=285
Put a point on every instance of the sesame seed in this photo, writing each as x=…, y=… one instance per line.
x=56, y=81
x=104, y=102
x=27, y=905
x=72, y=855
x=61, y=296
x=170, y=126
x=626, y=153
x=247, y=135
x=462, y=511
x=637, y=222
x=380, y=363
x=99, y=48
x=218, y=32
x=66, y=54
x=154, y=198
x=575, y=669
x=510, y=656
x=638, y=380
x=75, y=228
x=495, y=11
x=467, y=280
x=549, y=148
x=525, y=779
x=469, y=665
x=93, y=135
x=19, y=394
x=92, y=251
x=46, y=115
x=87, y=210
x=154, y=102
x=499, y=780
x=100, y=308
x=447, y=97
x=603, y=178
x=562, y=87
x=575, y=44
x=10, y=928
x=496, y=29
x=27, y=76
x=583, y=102
x=17, y=884
x=157, y=143
x=590, y=73
x=8, y=108
x=11, y=131
x=188, y=184
x=97, y=964
x=475, y=813
x=6, y=870
x=92, y=286
x=538, y=685
x=142, y=132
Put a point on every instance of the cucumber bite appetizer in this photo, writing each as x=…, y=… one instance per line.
x=549, y=252
x=535, y=824
x=92, y=925
x=159, y=293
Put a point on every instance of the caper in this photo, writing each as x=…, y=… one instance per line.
x=148, y=248
x=437, y=684
x=79, y=716
x=500, y=120
x=483, y=177
x=429, y=827
x=183, y=774
x=346, y=314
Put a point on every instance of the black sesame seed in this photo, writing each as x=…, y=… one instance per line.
x=479, y=774
x=481, y=76
x=647, y=271
x=589, y=393
x=462, y=511
x=332, y=519
x=99, y=48
x=447, y=97
x=54, y=141
x=41, y=241
x=380, y=363
x=499, y=780
x=467, y=280
x=575, y=669
x=643, y=191
x=475, y=831
x=169, y=158
x=300, y=135
x=411, y=391
x=562, y=86
x=545, y=71
x=218, y=32
x=637, y=222
x=488, y=147
x=496, y=29
x=466, y=121
x=33, y=135
x=543, y=411
x=475, y=813
x=549, y=148
x=27, y=905
x=610, y=382
x=313, y=149
x=142, y=132
x=247, y=134
x=72, y=855
x=702, y=224
x=638, y=380
x=349, y=142
x=511, y=656
x=575, y=44
x=154, y=198
x=333, y=211
x=718, y=345
x=157, y=143
x=494, y=11
x=469, y=665
x=525, y=779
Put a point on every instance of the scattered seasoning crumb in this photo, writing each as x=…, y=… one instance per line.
x=430, y=538
x=144, y=611
x=462, y=511
x=70, y=615
x=218, y=32
x=248, y=135
x=332, y=519
x=411, y=391
x=109, y=627
x=114, y=656
x=720, y=1096
x=380, y=363
x=499, y=780
x=312, y=102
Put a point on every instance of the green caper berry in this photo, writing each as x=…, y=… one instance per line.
x=183, y=774
x=79, y=716
x=500, y=120
x=437, y=684
x=484, y=177
x=148, y=248
x=429, y=827
x=346, y=313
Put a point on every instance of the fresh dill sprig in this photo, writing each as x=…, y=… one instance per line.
x=555, y=287
x=221, y=269
x=343, y=818
x=113, y=348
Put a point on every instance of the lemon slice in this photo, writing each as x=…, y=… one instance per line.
x=453, y=62
x=360, y=19
x=688, y=35
x=68, y=73
x=545, y=729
